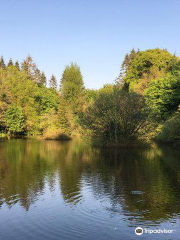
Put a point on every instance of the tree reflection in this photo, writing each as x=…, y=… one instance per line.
x=142, y=184
x=145, y=182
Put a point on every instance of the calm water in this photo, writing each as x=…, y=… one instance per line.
x=68, y=190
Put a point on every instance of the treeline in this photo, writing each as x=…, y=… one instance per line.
x=155, y=75
x=142, y=103
x=29, y=108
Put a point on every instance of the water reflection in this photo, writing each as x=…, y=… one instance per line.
x=142, y=185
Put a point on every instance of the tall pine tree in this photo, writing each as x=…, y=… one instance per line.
x=53, y=82
x=37, y=76
x=29, y=66
x=2, y=63
x=17, y=65
x=43, y=79
x=31, y=69
x=125, y=67
x=10, y=63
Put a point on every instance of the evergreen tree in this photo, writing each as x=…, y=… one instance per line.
x=28, y=66
x=17, y=65
x=64, y=118
x=31, y=69
x=125, y=67
x=2, y=63
x=53, y=82
x=10, y=63
x=133, y=54
x=128, y=59
x=43, y=79
x=37, y=76
x=72, y=86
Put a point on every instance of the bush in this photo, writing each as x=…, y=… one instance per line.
x=117, y=116
x=170, y=130
x=15, y=121
x=163, y=96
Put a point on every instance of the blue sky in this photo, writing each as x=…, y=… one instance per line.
x=94, y=33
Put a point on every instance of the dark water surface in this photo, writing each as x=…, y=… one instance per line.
x=69, y=190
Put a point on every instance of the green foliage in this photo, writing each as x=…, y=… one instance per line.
x=53, y=82
x=128, y=59
x=17, y=65
x=154, y=74
x=116, y=116
x=28, y=66
x=49, y=123
x=163, y=96
x=18, y=88
x=144, y=61
x=90, y=95
x=43, y=79
x=15, y=121
x=65, y=118
x=42, y=109
x=126, y=66
x=32, y=71
x=37, y=76
x=2, y=63
x=72, y=86
x=47, y=99
x=170, y=129
x=10, y=63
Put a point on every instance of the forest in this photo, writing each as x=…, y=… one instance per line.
x=142, y=105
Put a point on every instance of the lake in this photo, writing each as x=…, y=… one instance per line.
x=70, y=190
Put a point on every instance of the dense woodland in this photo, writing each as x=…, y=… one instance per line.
x=142, y=104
